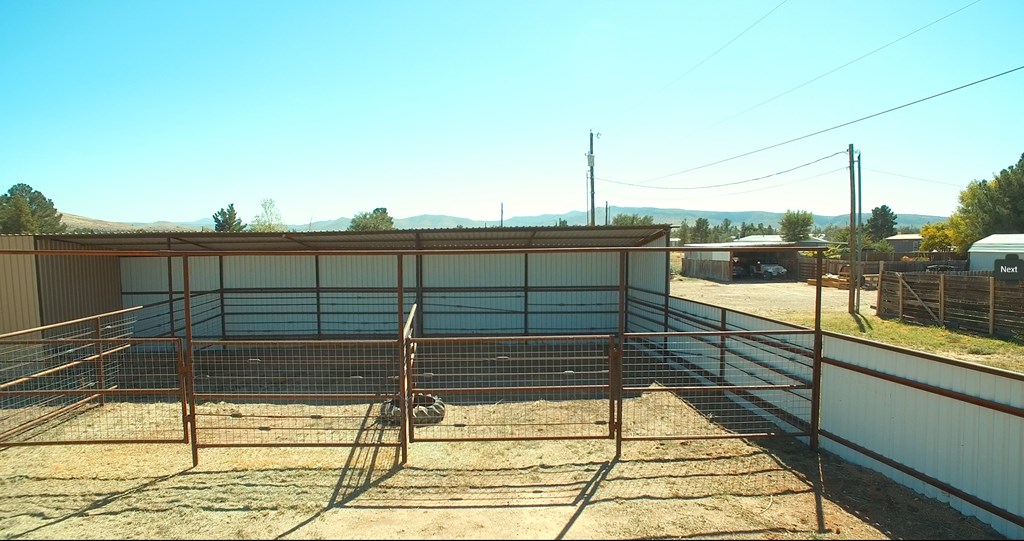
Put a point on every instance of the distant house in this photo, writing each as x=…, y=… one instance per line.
x=983, y=254
x=910, y=242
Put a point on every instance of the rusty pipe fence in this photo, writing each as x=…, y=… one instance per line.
x=88, y=381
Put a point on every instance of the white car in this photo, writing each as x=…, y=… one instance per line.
x=772, y=270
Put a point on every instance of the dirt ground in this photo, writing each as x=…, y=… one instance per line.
x=769, y=298
x=570, y=489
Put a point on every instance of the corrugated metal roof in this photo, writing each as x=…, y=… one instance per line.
x=905, y=236
x=757, y=241
x=1002, y=243
x=399, y=239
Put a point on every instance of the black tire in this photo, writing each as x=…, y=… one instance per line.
x=427, y=409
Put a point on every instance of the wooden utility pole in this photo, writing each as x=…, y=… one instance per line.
x=590, y=161
x=852, y=242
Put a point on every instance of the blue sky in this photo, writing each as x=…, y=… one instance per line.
x=146, y=111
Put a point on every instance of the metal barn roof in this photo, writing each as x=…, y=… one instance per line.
x=1002, y=243
x=394, y=240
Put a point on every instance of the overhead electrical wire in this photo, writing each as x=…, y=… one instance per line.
x=791, y=182
x=837, y=126
x=725, y=183
x=736, y=37
x=916, y=178
x=830, y=72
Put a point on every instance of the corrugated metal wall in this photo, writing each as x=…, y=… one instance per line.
x=976, y=449
x=573, y=293
x=19, y=292
x=473, y=294
x=71, y=287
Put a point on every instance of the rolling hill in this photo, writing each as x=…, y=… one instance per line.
x=435, y=221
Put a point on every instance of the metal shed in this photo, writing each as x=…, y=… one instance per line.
x=983, y=254
x=330, y=284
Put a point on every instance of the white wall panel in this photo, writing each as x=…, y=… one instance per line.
x=269, y=271
x=976, y=449
x=574, y=269
x=474, y=270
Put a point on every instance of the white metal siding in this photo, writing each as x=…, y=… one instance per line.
x=574, y=269
x=269, y=271
x=366, y=271
x=648, y=270
x=473, y=270
x=975, y=449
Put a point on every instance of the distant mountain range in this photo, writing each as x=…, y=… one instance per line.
x=434, y=221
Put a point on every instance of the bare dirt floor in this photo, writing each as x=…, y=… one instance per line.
x=569, y=489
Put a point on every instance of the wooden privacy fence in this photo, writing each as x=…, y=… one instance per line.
x=806, y=266
x=970, y=301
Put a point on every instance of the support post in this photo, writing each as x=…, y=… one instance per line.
x=816, y=370
x=852, y=241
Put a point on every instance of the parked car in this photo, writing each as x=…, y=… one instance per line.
x=940, y=268
x=772, y=270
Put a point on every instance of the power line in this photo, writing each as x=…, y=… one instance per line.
x=917, y=178
x=709, y=57
x=830, y=72
x=797, y=181
x=726, y=183
x=844, y=124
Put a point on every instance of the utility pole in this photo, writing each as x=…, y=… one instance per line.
x=860, y=227
x=502, y=222
x=590, y=162
x=605, y=213
x=852, y=243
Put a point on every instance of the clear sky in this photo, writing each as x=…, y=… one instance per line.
x=142, y=111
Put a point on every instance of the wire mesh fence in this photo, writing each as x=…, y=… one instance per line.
x=77, y=390
x=296, y=393
x=716, y=384
x=513, y=388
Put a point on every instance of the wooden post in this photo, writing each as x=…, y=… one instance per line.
x=899, y=296
x=878, y=292
x=942, y=299
x=991, y=305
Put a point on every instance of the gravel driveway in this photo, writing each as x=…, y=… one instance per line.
x=767, y=297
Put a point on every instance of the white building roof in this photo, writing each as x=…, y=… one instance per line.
x=1002, y=243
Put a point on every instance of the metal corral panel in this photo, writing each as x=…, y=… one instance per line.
x=973, y=448
x=71, y=287
x=574, y=269
x=366, y=271
x=474, y=270
x=19, y=290
x=269, y=271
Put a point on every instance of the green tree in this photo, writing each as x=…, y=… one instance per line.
x=701, y=231
x=937, y=237
x=226, y=220
x=990, y=207
x=796, y=225
x=25, y=210
x=268, y=220
x=378, y=220
x=684, y=232
x=632, y=219
x=881, y=224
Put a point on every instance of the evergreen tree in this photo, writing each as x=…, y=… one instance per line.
x=881, y=224
x=25, y=210
x=226, y=220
